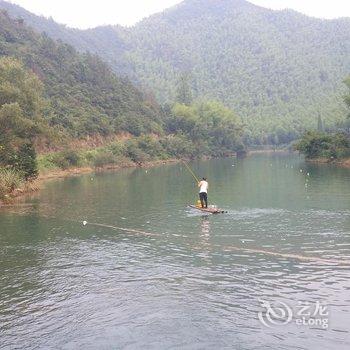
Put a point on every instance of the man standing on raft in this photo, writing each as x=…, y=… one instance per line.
x=203, y=192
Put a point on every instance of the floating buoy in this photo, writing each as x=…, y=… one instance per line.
x=84, y=223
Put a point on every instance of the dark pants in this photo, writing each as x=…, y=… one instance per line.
x=204, y=199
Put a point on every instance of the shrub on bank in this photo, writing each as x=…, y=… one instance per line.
x=117, y=148
x=104, y=158
x=323, y=145
x=151, y=146
x=10, y=179
x=24, y=161
x=133, y=152
x=178, y=146
x=66, y=159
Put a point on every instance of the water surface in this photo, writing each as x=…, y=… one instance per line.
x=182, y=280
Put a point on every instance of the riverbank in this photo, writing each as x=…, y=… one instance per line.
x=59, y=173
x=323, y=160
x=270, y=150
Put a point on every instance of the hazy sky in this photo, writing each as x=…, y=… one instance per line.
x=91, y=13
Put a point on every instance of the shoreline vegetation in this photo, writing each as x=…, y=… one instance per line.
x=339, y=162
x=325, y=148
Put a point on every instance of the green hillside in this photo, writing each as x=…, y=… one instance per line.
x=84, y=96
x=276, y=69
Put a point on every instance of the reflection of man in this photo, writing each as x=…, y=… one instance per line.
x=205, y=226
x=203, y=192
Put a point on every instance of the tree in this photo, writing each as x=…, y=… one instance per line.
x=26, y=161
x=21, y=105
x=19, y=85
x=320, y=126
x=315, y=144
x=210, y=125
x=183, y=92
x=347, y=97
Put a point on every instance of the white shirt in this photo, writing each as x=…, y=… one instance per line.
x=203, y=187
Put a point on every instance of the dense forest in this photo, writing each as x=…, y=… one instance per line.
x=51, y=96
x=278, y=70
x=84, y=96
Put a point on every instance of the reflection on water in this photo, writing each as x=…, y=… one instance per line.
x=205, y=226
x=148, y=272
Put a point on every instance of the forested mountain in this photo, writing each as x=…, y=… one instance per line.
x=277, y=69
x=84, y=96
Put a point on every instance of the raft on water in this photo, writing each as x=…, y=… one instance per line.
x=210, y=210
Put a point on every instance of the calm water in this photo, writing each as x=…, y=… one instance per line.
x=182, y=281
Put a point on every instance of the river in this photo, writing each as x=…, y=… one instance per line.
x=148, y=273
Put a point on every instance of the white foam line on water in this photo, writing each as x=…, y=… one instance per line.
x=254, y=212
x=122, y=229
x=288, y=255
x=240, y=249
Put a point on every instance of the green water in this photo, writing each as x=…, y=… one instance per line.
x=183, y=280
